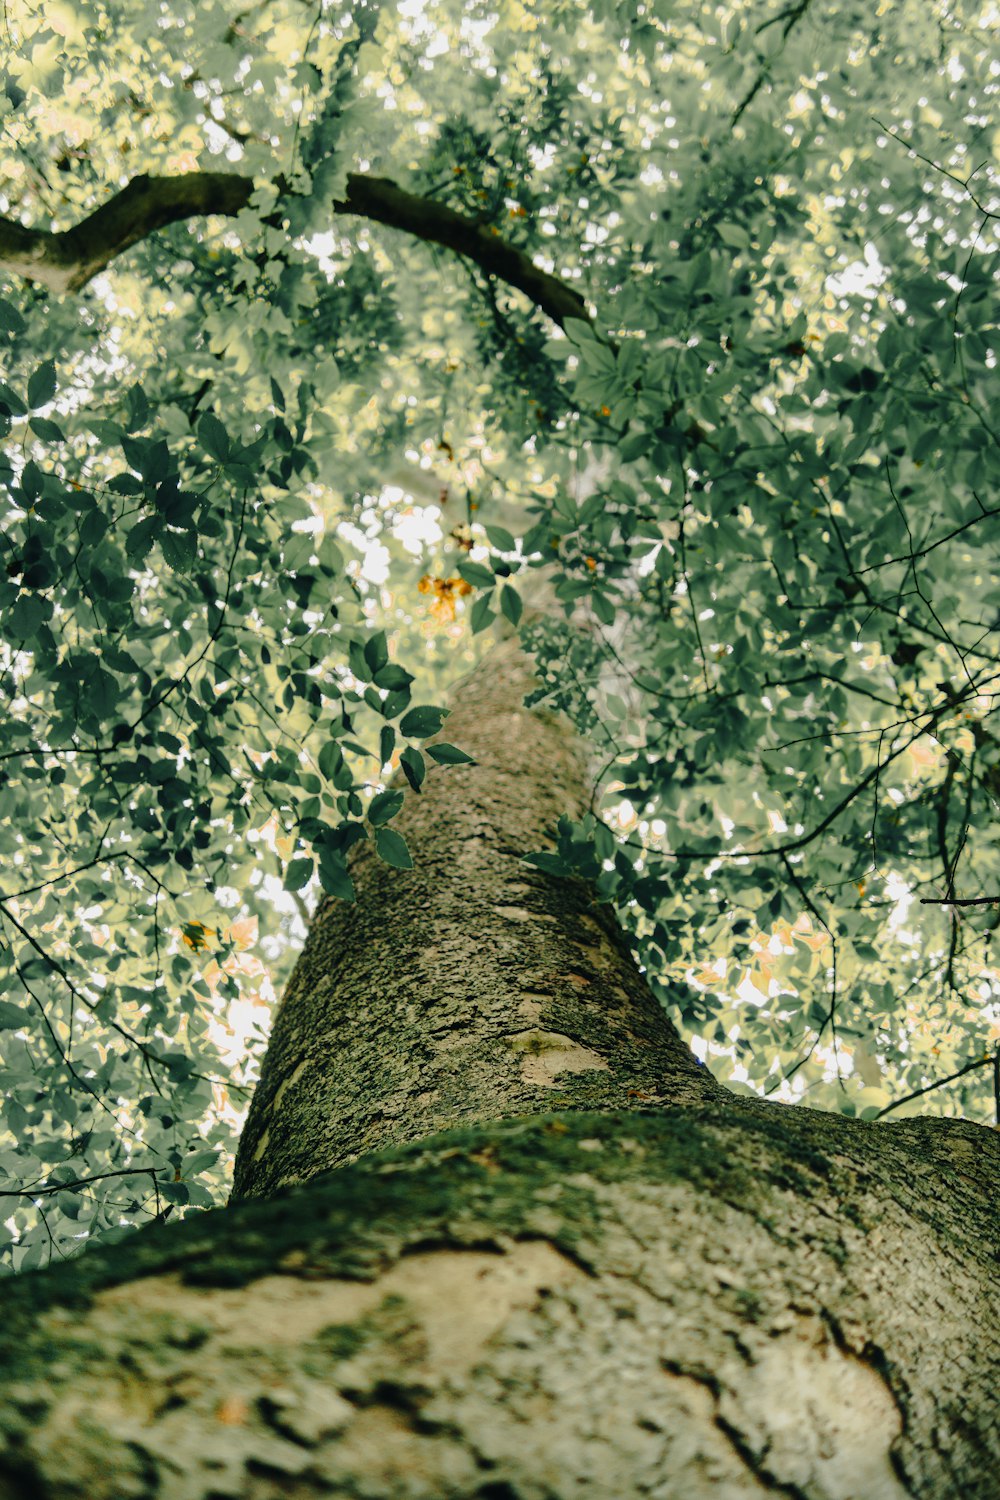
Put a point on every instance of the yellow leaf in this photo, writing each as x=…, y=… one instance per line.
x=197, y=936
x=243, y=932
x=182, y=161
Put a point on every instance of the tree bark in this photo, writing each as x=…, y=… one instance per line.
x=569, y=1290
x=472, y=987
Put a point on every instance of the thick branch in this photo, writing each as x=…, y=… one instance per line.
x=378, y=198
x=66, y=261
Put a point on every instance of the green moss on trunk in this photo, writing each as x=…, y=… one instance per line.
x=457, y=1310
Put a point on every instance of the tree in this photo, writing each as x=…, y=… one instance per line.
x=566, y=1262
x=730, y=487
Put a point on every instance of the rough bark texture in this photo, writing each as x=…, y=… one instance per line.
x=472, y=987
x=716, y=1302
x=709, y=1299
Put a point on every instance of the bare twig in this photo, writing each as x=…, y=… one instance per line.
x=970, y=1067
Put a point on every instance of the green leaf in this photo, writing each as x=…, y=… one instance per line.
x=330, y=759
x=395, y=703
x=377, y=656
x=550, y=863
x=137, y=407
x=386, y=743
x=579, y=331
x=356, y=660
x=511, y=603
x=149, y=457
x=32, y=481
x=93, y=527
x=299, y=873
x=199, y=1161
x=102, y=693
x=383, y=806
x=603, y=608
x=481, y=615
x=179, y=549
x=634, y=446
x=26, y=617
x=125, y=484
x=500, y=538
x=733, y=235
x=412, y=765
x=11, y=1016
x=476, y=574
x=330, y=557
x=42, y=385
x=10, y=319
x=392, y=849
x=214, y=438
x=141, y=538
x=11, y=400
x=333, y=876
x=422, y=721
x=392, y=676
x=449, y=755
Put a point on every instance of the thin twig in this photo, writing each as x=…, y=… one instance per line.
x=980, y=1062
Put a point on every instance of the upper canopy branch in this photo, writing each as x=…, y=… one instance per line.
x=66, y=261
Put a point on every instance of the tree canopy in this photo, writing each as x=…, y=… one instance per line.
x=329, y=336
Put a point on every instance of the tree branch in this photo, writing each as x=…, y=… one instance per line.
x=978, y=1062
x=972, y=901
x=67, y=260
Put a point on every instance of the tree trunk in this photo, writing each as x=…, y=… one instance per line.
x=472, y=987
x=567, y=1263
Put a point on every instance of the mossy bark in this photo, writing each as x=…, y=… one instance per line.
x=688, y=1296
x=689, y=1303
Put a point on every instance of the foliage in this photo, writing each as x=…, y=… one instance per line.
x=759, y=488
